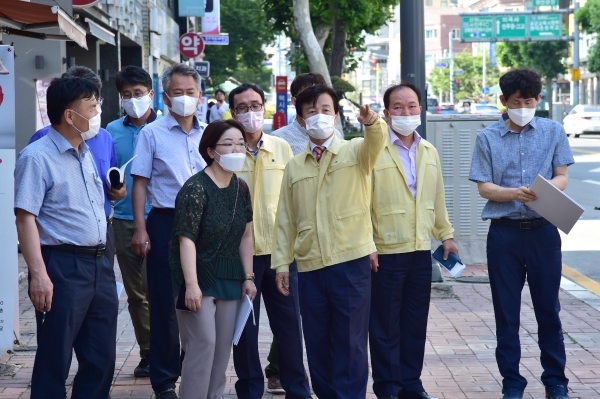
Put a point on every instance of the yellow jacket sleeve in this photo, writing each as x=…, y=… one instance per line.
x=371, y=147
x=285, y=229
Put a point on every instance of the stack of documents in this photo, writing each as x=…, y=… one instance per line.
x=243, y=312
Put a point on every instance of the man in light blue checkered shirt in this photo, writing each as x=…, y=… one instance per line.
x=521, y=245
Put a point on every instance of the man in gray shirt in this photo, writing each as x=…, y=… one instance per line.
x=522, y=245
x=293, y=133
x=168, y=155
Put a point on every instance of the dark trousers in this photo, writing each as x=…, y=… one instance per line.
x=513, y=256
x=83, y=318
x=284, y=319
x=164, y=333
x=400, y=294
x=111, y=249
x=334, y=304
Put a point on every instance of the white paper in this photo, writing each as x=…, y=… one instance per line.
x=554, y=205
x=119, y=289
x=244, y=309
x=456, y=270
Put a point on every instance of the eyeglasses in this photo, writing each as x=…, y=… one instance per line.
x=239, y=146
x=242, y=109
x=136, y=94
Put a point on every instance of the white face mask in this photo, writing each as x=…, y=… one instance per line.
x=233, y=162
x=183, y=105
x=94, y=126
x=252, y=121
x=137, y=107
x=521, y=116
x=405, y=125
x=320, y=126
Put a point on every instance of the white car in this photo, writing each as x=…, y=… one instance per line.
x=349, y=115
x=583, y=119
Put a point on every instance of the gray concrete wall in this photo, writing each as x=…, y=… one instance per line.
x=25, y=50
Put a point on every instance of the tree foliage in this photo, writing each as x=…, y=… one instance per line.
x=470, y=80
x=589, y=18
x=249, y=30
x=545, y=57
x=360, y=17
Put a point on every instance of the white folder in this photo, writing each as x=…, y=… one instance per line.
x=244, y=309
x=554, y=205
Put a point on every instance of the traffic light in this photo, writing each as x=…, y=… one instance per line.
x=456, y=84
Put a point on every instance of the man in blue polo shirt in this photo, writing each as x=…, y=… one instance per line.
x=135, y=87
x=103, y=151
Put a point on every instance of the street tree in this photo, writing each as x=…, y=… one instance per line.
x=589, y=18
x=244, y=56
x=471, y=81
x=546, y=57
x=339, y=26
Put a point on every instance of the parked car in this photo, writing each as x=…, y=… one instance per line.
x=485, y=109
x=583, y=119
x=349, y=115
x=432, y=104
x=447, y=108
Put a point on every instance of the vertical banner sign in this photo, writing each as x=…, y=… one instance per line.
x=202, y=109
x=281, y=90
x=42, y=120
x=211, y=21
x=9, y=299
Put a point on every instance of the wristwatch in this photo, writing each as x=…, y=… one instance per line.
x=249, y=276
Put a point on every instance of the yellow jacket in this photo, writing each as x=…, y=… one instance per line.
x=402, y=223
x=264, y=175
x=324, y=209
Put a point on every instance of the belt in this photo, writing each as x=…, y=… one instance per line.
x=522, y=224
x=97, y=251
x=165, y=211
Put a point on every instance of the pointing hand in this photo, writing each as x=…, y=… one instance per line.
x=367, y=117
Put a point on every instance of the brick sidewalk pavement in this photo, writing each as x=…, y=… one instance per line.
x=459, y=359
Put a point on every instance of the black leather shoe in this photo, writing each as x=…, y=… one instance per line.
x=388, y=397
x=168, y=394
x=512, y=393
x=417, y=395
x=556, y=392
x=143, y=369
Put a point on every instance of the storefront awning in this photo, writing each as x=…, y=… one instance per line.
x=100, y=32
x=23, y=18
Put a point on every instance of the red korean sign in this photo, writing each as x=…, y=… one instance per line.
x=278, y=120
x=281, y=84
x=191, y=45
x=84, y=3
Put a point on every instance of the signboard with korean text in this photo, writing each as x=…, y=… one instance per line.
x=281, y=89
x=203, y=68
x=9, y=299
x=511, y=27
x=191, y=45
x=219, y=40
x=211, y=21
x=543, y=3
x=477, y=28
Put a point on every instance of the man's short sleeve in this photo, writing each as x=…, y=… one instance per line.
x=144, y=149
x=562, y=153
x=481, y=163
x=30, y=185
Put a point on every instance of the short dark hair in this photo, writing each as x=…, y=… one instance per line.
x=80, y=71
x=311, y=94
x=525, y=81
x=212, y=134
x=219, y=91
x=133, y=75
x=63, y=92
x=305, y=80
x=467, y=102
x=242, y=88
x=399, y=86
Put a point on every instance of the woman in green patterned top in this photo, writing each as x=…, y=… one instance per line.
x=211, y=259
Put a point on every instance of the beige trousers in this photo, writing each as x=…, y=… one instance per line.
x=206, y=338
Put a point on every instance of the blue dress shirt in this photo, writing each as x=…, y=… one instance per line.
x=63, y=189
x=125, y=134
x=511, y=160
x=103, y=152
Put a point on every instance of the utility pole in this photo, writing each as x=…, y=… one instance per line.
x=483, y=68
x=575, y=99
x=451, y=55
x=412, y=51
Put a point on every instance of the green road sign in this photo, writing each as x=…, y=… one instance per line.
x=542, y=3
x=511, y=26
x=545, y=25
x=476, y=28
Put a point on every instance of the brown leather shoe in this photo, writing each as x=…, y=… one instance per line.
x=274, y=385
